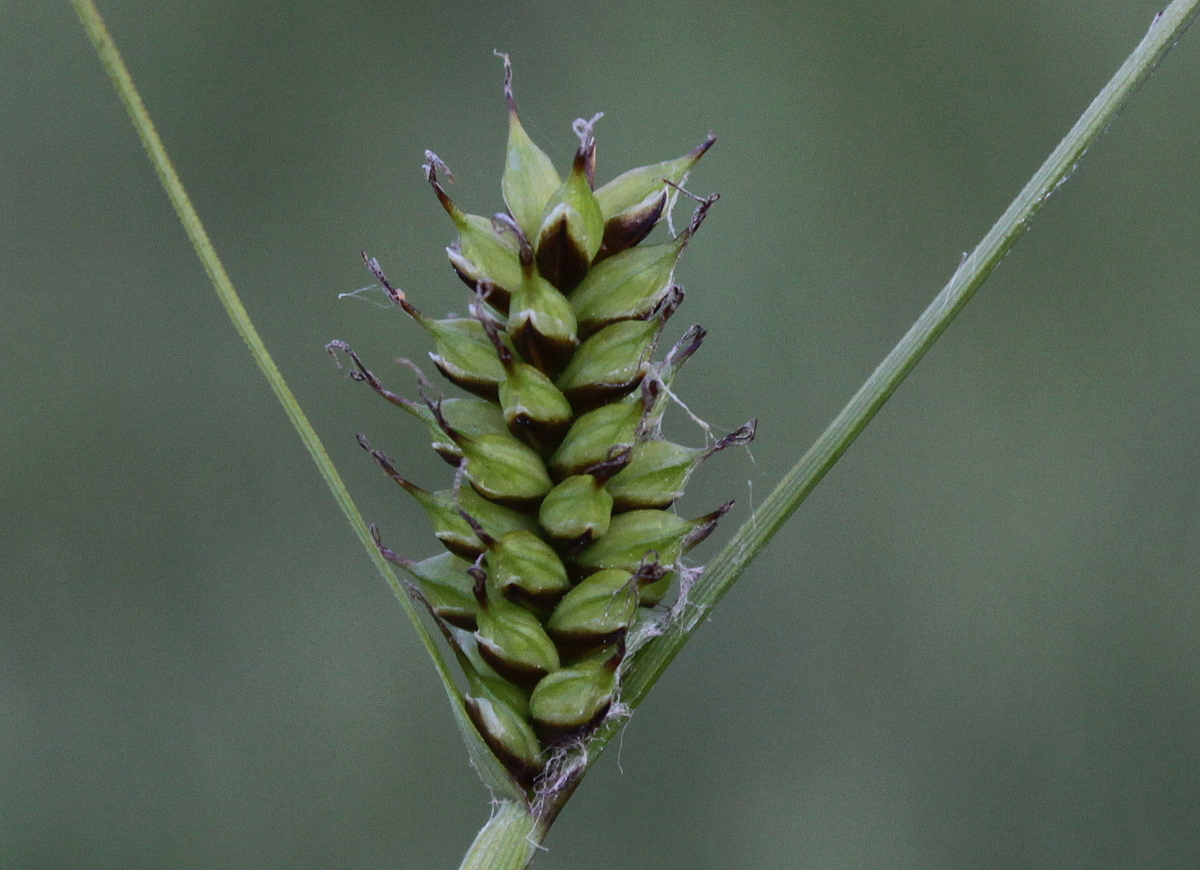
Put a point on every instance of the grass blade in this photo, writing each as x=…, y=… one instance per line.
x=489, y=769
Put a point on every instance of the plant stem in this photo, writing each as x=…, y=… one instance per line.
x=509, y=841
x=111, y=58
x=775, y=510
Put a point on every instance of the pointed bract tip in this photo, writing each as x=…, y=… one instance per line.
x=700, y=149
x=669, y=304
x=432, y=166
x=394, y=293
x=685, y=347
x=492, y=329
x=385, y=462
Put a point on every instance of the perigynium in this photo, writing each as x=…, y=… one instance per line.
x=560, y=542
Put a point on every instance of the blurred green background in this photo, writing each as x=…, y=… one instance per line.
x=977, y=645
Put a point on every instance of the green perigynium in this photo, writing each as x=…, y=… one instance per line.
x=559, y=534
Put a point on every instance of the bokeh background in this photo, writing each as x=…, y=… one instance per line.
x=977, y=645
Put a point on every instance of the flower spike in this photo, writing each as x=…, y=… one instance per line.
x=559, y=535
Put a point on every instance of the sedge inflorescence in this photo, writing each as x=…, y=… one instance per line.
x=559, y=536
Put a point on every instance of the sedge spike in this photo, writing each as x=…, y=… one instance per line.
x=559, y=536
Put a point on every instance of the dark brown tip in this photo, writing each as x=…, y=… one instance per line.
x=698, y=216
x=739, y=437
x=479, y=587
x=394, y=293
x=585, y=156
x=705, y=525
x=385, y=462
x=606, y=469
x=624, y=231
x=551, y=734
x=700, y=150
x=524, y=675
x=560, y=260
x=683, y=349
x=669, y=304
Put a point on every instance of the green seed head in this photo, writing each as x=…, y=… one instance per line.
x=594, y=435
x=637, y=537
x=446, y=509
x=576, y=512
x=634, y=201
x=525, y=568
x=508, y=733
x=658, y=470
x=558, y=528
x=609, y=365
x=534, y=409
x=512, y=640
x=655, y=475
x=447, y=587
x=503, y=469
x=463, y=354
x=470, y=417
x=529, y=178
x=597, y=610
x=486, y=253
x=542, y=323
x=572, y=698
x=627, y=286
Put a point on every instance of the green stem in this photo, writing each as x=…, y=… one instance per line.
x=111, y=58
x=775, y=510
x=749, y=540
x=509, y=841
